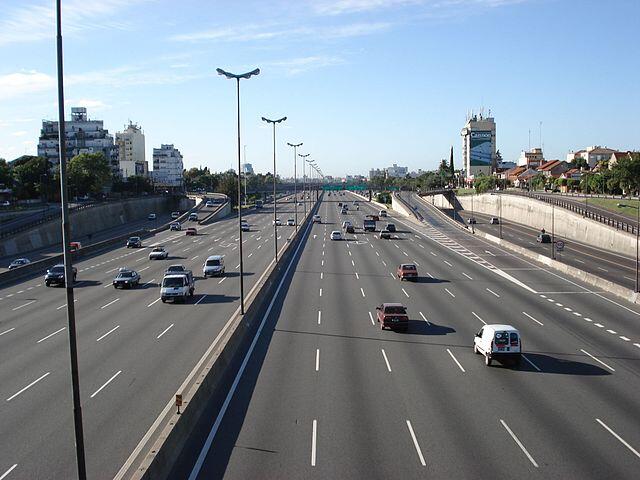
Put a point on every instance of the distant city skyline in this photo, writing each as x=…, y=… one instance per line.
x=364, y=83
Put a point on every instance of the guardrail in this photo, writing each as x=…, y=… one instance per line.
x=612, y=222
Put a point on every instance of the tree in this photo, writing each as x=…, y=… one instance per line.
x=485, y=183
x=6, y=178
x=31, y=176
x=579, y=162
x=452, y=172
x=626, y=173
x=88, y=173
x=538, y=181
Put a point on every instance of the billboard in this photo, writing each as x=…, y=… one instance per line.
x=480, y=149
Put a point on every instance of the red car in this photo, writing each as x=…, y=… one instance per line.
x=408, y=271
x=393, y=316
x=191, y=231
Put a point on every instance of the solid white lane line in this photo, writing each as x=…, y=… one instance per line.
x=371, y=317
x=492, y=292
x=105, y=384
x=456, y=360
x=7, y=331
x=201, y=299
x=51, y=334
x=11, y=469
x=530, y=362
x=530, y=317
x=620, y=439
x=478, y=317
x=317, y=359
x=319, y=317
x=313, y=442
x=143, y=269
x=405, y=292
x=362, y=291
x=24, y=305
x=515, y=439
x=599, y=361
x=447, y=290
x=447, y=263
x=165, y=331
x=424, y=318
x=223, y=279
x=156, y=300
x=141, y=259
x=107, y=286
x=27, y=387
x=110, y=303
x=114, y=269
x=467, y=276
x=386, y=360
x=357, y=276
x=110, y=331
x=415, y=443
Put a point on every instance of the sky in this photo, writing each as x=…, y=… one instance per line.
x=363, y=83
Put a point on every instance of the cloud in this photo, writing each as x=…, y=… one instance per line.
x=37, y=22
x=299, y=65
x=338, y=7
x=20, y=133
x=25, y=82
x=94, y=105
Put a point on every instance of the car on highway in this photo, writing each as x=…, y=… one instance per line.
x=350, y=229
x=193, y=217
x=191, y=231
x=391, y=227
x=213, y=265
x=375, y=218
x=177, y=286
x=55, y=275
x=369, y=225
x=355, y=203
x=175, y=226
x=19, y=262
x=408, y=271
x=382, y=213
x=385, y=234
x=177, y=268
x=494, y=221
x=126, y=278
x=244, y=226
x=152, y=216
x=345, y=206
x=258, y=203
x=277, y=222
x=498, y=342
x=345, y=224
x=158, y=253
x=340, y=204
x=543, y=238
x=6, y=203
x=175, y=215
x=471, y=221
x=317, y=219
x=291, y=222
x=393, y=316
x=74, y=246
x=134, y=242
x=209, y=203
x=336, y=235
x=343, y=211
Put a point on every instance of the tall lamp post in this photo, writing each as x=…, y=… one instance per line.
x=275, y=226
x=637, y=244
x=237, y=78
x=311, y=165
x=68, y=269
x=295, y=179
x=304, y=181
x=244, y=173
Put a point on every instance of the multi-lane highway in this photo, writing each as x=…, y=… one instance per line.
x=134, y=351
x=327, y=394
x=609, y=265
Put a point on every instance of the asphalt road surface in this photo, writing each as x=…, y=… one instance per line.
x=327, y=394
x=134, y=351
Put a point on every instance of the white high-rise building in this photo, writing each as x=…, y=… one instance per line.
x=82, y=136
x=167, y=166
x=131, y=157
x=397, y=172
x=247, y=168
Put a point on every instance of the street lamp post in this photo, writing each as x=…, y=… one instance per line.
x=68, y=269
x=275, y=226
x=237, y=79
x=244, y=173
x=304, y=181
x=311, y=165
x=637, y=244
x=295, y=179
x=553, y=231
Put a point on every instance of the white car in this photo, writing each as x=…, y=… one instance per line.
x=346, y=224
x=19, y=262
x=277, y=222
x=209, y=204
x=382, y=213
x=244, y=226
x=175, y=215
x=175, y=226
x=152, y=216
x=193, y=217
x=6, y=203
x=291, y=222
x=158, y=253
x=317, y=219
x=498, y=342
x=336, y=235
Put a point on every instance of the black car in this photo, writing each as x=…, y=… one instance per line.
x=55, y=275
x=543, y=238
x=134, y=242
x=350, y=229
x=391, y=227
x=126, y=279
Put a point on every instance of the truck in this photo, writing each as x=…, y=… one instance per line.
x=369, y=225
x=177, y=286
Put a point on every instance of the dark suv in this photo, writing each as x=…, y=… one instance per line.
x=134, y=242
x=55, y=275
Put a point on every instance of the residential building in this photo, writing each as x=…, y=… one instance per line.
x=479, y=146
x=525, y=177
x=531, y=159
x=82, y=135
x=167, y=166
x=397, y=172
x=592, y=155
x=616, y=156
x=512, y=174
x=573, y=174
x=553, y=168
x=376, y=172
x=247, y=168
x=131, y=155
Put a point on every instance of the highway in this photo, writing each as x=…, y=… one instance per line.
x=606, y=264
x=327, y=394
x=134, y=351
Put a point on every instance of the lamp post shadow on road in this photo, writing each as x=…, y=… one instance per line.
x=237, y=78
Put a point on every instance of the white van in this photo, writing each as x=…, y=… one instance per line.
x=213, y=265
x=498, y=342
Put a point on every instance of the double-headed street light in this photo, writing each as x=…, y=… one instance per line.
x=304, y=181
x=295, y=174
x=275, y=225
x=312, y=163
x=237, y=78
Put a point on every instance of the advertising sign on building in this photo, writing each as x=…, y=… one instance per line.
x=480, y=155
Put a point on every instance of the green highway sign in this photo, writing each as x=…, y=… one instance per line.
x=344, y=187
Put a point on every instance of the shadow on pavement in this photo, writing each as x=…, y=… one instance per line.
x=420, y=327
x=429, y=280
x=549, y=364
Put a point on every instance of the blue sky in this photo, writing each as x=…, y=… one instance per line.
x=364, y=83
